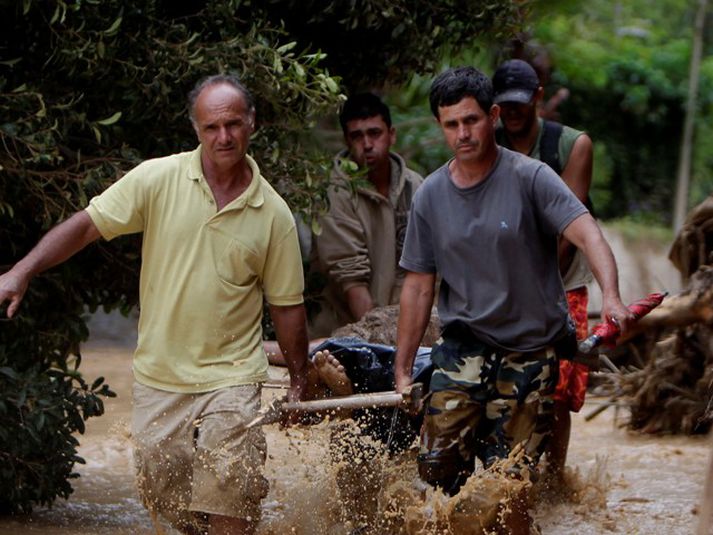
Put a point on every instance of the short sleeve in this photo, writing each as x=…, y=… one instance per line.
x=556, y=204
x=121, y=208
x=283, y=279
x=418, y=254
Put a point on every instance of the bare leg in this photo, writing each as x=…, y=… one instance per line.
x=274, y=353
x=228, y=525
x=559, y=441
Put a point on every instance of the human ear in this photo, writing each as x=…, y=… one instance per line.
x=494, y=113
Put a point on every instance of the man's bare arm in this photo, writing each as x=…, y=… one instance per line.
x=586, y=235
x=414, y=314
x=274, y=353
x=359, y=301
x=291, y=330
x=577, y=174
x=59, y=244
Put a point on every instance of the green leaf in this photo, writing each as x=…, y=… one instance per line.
x=192, y=38
x=110, y=120
x=286, y=48
x=9, y=372
x=11, y=62
x=331, y=84
x=55, y=15
x=114, y=28
x=97, y=382
x=41, y=419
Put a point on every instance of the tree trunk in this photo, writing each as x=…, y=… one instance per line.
x=684, y=164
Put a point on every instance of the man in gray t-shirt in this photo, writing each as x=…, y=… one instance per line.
x=495, y=246
x=488, y=222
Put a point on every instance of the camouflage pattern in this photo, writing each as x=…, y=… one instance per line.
x=483, y=401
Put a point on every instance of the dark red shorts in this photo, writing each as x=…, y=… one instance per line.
x=573, y=378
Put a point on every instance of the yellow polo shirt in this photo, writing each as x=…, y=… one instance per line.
x=204, y=273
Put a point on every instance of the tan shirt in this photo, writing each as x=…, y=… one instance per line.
x=204, y=273
x=362, y=235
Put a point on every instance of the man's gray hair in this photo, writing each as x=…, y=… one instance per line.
x=216, y=79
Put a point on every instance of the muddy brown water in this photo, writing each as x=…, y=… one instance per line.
x=619, y=482
x=622, y=483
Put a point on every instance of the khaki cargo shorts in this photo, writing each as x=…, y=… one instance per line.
x=192, y=456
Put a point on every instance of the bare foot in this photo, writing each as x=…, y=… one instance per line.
x=316, y=389
x=332, y=373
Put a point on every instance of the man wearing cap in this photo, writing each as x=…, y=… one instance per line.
x=568, y=151
x=488, y=222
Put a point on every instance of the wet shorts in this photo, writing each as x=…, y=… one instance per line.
x=483, y=401
x=573, y=376
x=192, y=457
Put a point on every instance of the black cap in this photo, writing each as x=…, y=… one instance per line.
x=515, y=81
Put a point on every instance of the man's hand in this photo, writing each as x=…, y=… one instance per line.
x=403, y=381
x=298, y=389
x=305, y=385
x=60, y=243
x=291, y=329
x=13, y=286
x=613, y=310
x=414, y=314
x=297, y=392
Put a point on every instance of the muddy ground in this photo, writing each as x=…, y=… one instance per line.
x=619, y=482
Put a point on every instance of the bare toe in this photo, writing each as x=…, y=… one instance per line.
x=319, y=358
x=334, y=362
x=332, y=373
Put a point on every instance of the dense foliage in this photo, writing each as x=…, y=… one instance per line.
x=88, y=88
x=371, y=42
x=626, y=65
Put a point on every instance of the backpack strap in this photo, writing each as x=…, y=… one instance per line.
x=549, y=145
x=549, y=152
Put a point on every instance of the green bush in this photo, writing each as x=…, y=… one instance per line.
x=89, y=88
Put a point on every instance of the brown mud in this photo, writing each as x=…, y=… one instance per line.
x=619, y=482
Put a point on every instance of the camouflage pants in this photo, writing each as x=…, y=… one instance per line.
x=483, y=401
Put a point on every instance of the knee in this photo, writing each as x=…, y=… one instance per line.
x=447, y=470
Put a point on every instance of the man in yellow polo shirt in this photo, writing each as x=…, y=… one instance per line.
x=217, y=239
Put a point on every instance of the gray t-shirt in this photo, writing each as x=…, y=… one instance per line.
x=495, y=246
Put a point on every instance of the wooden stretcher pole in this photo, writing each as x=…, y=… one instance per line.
x=410, y=400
